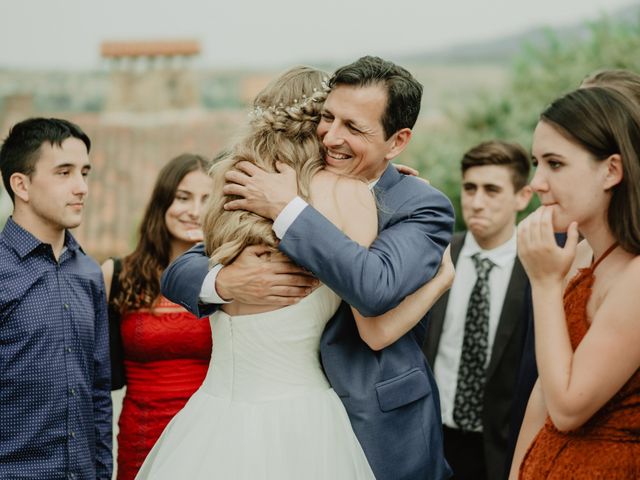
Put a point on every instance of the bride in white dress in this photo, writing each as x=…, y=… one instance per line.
x=266, y=409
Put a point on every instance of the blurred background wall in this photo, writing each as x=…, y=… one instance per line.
x=152, y=99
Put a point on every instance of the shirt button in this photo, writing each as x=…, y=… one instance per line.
x=72, y=434
x=66, y=306
x=71, y=476
x=72, y=391
x=67, y=349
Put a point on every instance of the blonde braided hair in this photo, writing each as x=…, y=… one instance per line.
x=282, y=128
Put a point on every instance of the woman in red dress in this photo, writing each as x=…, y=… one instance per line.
x=159, y=350
x=583, y=416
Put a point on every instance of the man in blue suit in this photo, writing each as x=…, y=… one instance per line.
x=389, y=394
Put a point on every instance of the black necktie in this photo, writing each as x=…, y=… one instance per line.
x=467, y=405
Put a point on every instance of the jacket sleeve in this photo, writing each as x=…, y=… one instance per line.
x=181, y=282
x=404, y=256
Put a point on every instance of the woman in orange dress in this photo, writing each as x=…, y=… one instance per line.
x=159, y=350
x=583, y=416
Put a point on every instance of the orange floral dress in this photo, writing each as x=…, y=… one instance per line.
x=608, y=445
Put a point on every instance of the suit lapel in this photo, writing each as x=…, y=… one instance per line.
x=388, y=180
x=436, y=319
x=510, y=316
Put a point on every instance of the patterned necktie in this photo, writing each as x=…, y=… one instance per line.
x=467, y=405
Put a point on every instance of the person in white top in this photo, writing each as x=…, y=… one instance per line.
x=475, y=336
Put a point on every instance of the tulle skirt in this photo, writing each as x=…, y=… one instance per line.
x=300, y=437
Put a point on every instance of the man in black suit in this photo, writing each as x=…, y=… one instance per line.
x=476, y=333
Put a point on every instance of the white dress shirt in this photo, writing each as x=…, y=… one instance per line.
x=447, y=359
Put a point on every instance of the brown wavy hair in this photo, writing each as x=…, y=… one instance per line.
x=142, y=268
x=282, y=128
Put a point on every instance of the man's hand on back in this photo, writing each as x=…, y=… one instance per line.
x=260, y=276
x=263, y=193
x=406, y=170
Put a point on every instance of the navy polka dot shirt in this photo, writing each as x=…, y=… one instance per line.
x=55, y=403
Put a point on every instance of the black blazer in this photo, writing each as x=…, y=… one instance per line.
x=503, y=365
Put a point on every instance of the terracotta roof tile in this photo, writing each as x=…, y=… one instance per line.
x=149, y=48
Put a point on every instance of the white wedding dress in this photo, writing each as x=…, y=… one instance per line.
x=265, y=409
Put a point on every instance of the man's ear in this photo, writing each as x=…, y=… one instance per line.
x=399, y=140
x=614, y=172
x=20, y=183
x=523, y=197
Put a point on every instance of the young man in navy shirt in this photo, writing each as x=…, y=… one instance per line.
x=55, y=403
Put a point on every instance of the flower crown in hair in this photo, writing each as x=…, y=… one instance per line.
x=297, y=105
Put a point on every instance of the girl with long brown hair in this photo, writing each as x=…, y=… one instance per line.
x=158, y=349
x=583, y=416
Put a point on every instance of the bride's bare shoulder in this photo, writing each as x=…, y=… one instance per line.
x=346, y=202
x=326, y=184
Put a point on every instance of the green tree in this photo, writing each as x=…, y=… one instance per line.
x=539, y=74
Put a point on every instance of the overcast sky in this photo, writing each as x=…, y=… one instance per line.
x=258, y=33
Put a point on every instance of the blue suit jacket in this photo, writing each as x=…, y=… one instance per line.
x=390, y=396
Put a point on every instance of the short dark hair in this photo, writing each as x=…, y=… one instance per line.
x=498, y=152
x=404, y=92
x=20, y=150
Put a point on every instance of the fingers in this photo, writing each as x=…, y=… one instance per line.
x=235, y=176
x=538, y=251
x=283, y=167
x=257, y=250
x=522, y=233
x=280, y=301
x=573, y=237
x=278, y=256
x=406, y=169
x=234, y=189
x=240, y=204
x=281, y=267
x=536, y=231
x=281, y=291
x=248, y=168
x=546, y=226
x=294, y=280
x=279, y=295
x=535, y=234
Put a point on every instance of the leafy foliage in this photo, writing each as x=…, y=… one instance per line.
x=539, y=74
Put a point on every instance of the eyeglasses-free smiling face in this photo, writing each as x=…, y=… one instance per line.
x=351, y=130
x=184, y=215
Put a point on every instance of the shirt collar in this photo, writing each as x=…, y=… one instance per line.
x=501, y=255
x=23, y=242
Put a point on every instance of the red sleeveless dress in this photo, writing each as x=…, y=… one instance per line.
x=166, y=356
x=608, y=445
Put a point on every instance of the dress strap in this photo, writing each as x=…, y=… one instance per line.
x=604, y=255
